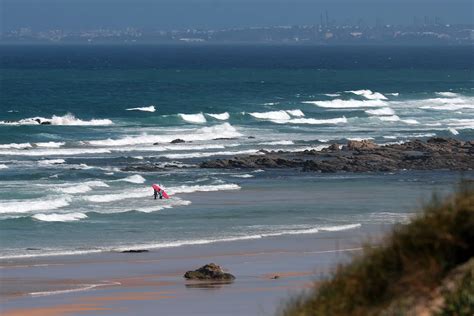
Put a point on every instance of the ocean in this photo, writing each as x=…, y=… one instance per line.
x=73, y=117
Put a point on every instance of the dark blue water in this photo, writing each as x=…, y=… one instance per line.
x=106, y=107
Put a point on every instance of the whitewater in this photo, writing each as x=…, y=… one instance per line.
x=81, y=144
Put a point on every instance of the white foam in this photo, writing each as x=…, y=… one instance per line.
x=81, y=187
x=453, y=131
x=49, y=162
x=150, y=108
x=447, y=94
x=368, y=94
x=348, y=104
x=15, y=146
x=395, y=94
x=25, y=206
x=312, y=121
x=391, y=118
x=193, y=118
x=410, y=121
x=67, y=119
x=278, y=142
x=55, y=152
x=332, y=95
x=3, y=166
x=224, y=130
x=55, y=217
x=339, y=227
x=221, y=116
x=382, y=111
x=209, y=154
x=295, y=113
x=145, y=192
x=243, y=176
x=165, y=204
x=359, y=139
x=134, y=179
x=272, y=115
x=49, y=144
x=83, y=287
x=447, y=104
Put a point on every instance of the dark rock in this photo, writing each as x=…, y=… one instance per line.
x=177, y=141
x=210, y=271
x=225, y=138
x=275, y=277
x=135, y=251
x=251, y=137
x=361, y=145
x=32, y=249
x=363, y=156
x=45, y=123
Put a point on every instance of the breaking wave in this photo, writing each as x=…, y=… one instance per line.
x=145, y=192
x=369, y=94
x=312, y=121
x=28, y=145
x=134, y=179
x=447, y=94
x=198, y=118
x=272, y=115
x=382, y=111
x=347, y=104
x=82, y=187
x=54, y=217
x=44, y=204
x=224, y=130
x=150, y=108
x=221, y=116
x=67, y=119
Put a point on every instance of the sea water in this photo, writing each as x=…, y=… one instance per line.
x=63, y=188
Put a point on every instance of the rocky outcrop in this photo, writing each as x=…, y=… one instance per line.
x=363, y=156
x=177, y=141
x=210, y=271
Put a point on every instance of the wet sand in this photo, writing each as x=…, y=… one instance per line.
x=152, y=283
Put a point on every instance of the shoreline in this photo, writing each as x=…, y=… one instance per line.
x=107, y=278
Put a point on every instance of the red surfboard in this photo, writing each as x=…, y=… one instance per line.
x=157, y=188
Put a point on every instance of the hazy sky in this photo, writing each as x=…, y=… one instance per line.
x=170, y=14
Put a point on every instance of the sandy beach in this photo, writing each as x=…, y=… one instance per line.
x=142, y=283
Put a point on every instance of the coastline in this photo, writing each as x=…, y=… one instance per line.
x=115, y=282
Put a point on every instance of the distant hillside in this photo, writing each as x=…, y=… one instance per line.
x=423, y=268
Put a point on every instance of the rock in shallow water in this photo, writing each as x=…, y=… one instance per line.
x=210, y=271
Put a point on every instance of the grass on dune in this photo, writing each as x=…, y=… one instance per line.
x=409, y=264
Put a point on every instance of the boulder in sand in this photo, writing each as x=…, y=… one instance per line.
x=210, y=271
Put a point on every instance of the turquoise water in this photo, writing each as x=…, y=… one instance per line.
x=62, y=185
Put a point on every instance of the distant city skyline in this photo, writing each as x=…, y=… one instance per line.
x=218, y=14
